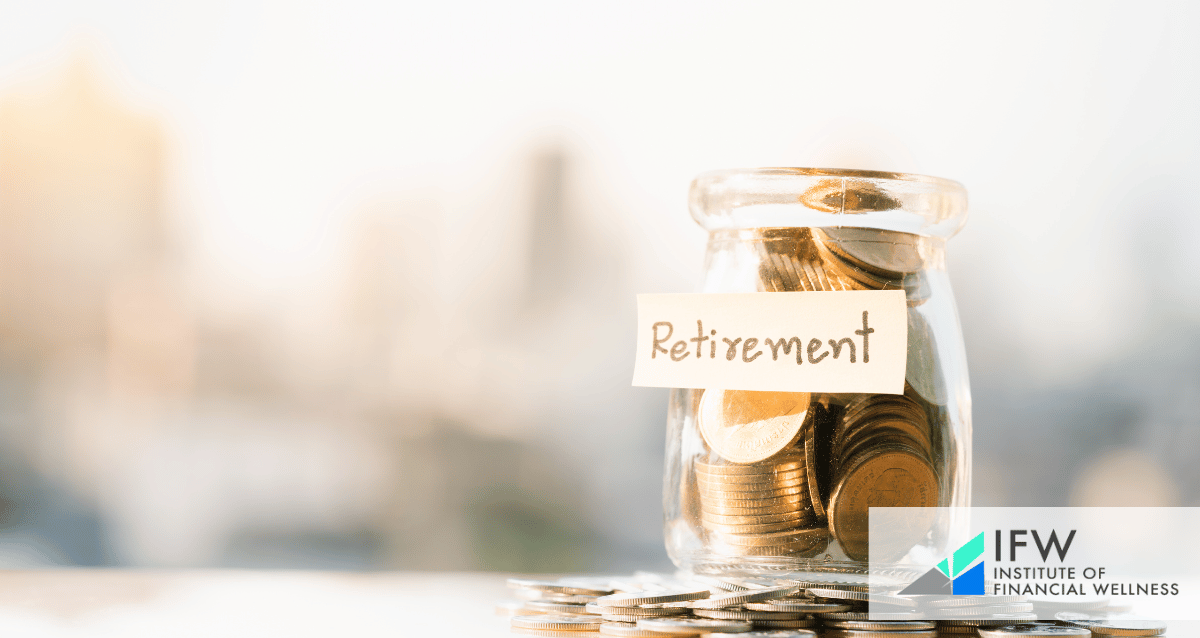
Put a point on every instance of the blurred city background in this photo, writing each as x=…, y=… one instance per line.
x=352, y=285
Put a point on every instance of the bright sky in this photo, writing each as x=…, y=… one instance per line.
x=1071, y=124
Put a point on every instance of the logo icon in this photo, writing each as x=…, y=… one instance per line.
x=953, y=576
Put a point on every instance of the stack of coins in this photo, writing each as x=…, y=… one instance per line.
x=650, y=605
x=791, y=262
x=753, y=489
x=761, y=508
x=868, y=259
x=881, y=457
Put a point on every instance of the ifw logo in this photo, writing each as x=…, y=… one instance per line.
x=954, y=576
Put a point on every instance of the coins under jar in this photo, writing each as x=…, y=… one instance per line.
x=785, y=471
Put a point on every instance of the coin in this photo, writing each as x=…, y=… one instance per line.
x=1032, y=630
x=848, y=195
x=561, y=586
x=794, y=517
x=547, y=607
x=641, y=612
x=558, y=622
x=781, y=463
x=883, y=250
x=972, y=601
x=634, y=599
x=764, y=528
x=786, y=624
x=832, y=584
x=745, y=614
x=747, y=427
x=992, y=610
x=721, y=493
x=889, y=476
x=737, y=598
x=810, y=454
x=779, y=633
x=718, y=510
x=882, y=625
x=1115, y=625
x=778, y=538
x=922, y=371
x=549, y=633
x=694, y=625
x=798, y=606
x=781, y=477
x=806, y=548
x=996, y=621
x=854, y=633
x=944, y=630
x=629, y=630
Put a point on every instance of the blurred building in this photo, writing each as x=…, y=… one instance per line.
x=144, y=428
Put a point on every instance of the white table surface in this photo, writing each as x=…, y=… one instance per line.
x=132, y=604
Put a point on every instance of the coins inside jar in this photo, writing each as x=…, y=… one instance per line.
x=780, y=463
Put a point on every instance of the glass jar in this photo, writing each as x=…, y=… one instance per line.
x=804, y=508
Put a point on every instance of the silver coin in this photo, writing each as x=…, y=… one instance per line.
x=737, y=598
x=972, y=601
x=798, y=606
x=996, y=621
x=884, y=250
x=629, y=630
x=547, y=607
x=988, y=610
x=555, y=621
x=922, y=372
x=557, y=586
x=1032, y=630
x=882, y=625
x=746, y=614
x=786, y=624
x=1116, y=625
x=843, y=586
x=778, y=633
x=857, y=633
x=1079, y=604
x=694, y=625
x=845, y=615
x=873, y=599
x=634, y=599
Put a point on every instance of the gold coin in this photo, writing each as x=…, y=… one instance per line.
x=888, y=476
x=745, y=489
x=728, y=494
x=782, y=463
x=784, y=537
x=757, y=519
x=793, y=509
x=810, y=451
x=741, y=500
x=749, y=479
x=878, y=437
x=764, y=528
x=804, y=547
x=922, y=372
x=747, y=427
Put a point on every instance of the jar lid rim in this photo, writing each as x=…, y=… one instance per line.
x=835, y=172
x=785, y=197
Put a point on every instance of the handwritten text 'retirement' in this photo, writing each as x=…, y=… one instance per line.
x=836, y=341
x=747, y=349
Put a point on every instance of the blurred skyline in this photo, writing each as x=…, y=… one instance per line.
x=284, y=283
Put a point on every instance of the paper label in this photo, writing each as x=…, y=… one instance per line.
x=843, y=341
